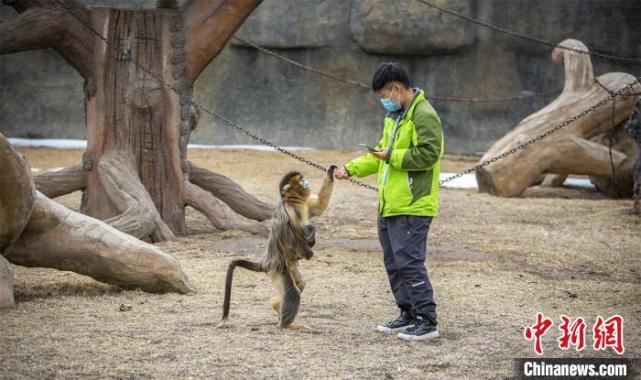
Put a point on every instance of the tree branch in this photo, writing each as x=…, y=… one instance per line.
x=36, y=28
x=219, y=214
x=61, y=182
x=208, y=26
x=231, y=193
x=45, y=24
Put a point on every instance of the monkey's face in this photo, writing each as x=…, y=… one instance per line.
x=296, y=189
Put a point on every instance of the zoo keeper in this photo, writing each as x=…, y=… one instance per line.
x=407, y=160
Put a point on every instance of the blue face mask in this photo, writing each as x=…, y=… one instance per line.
x=389, y=105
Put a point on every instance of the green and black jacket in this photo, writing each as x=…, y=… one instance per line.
x=408, y=179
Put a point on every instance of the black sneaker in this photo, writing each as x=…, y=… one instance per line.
x=425, y=329
x=403, y=322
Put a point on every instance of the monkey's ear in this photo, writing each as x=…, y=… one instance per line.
x=284, y=189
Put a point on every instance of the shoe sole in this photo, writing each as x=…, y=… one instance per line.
x=387, y=330
x=428, y=336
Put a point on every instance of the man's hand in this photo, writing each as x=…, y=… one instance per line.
x=341, y=173
x=381, y=155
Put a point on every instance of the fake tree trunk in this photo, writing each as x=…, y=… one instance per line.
x=135, y=171
x=36, y=231
x=569, y=150
x=16, y=203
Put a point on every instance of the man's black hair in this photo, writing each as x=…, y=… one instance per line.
x=389, y=72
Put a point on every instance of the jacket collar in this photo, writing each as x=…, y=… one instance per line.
x=419, y=95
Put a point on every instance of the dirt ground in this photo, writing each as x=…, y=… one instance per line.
x=494, y=263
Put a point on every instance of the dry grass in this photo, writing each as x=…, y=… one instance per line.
x=494, y=263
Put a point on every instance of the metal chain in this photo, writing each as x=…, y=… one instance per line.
x=313, y=164
x=610, y=135
x=277, y=147
x=300, y=65
x=338, y=78
x=545, y=134
x=207, y=109
x=631, y=61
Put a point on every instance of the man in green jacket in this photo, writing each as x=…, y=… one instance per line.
x=407, y=160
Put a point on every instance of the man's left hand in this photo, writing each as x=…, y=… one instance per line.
x=381, y=155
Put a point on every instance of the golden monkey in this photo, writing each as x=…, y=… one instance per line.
x=291, y=239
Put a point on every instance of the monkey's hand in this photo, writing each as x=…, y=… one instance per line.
x=310, y=235
x=330, y=172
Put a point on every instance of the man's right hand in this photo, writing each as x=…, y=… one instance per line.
x=341, y=173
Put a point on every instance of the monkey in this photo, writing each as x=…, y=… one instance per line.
x=633, y=127
x=291, y=239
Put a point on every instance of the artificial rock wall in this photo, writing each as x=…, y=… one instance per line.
x=41, y=96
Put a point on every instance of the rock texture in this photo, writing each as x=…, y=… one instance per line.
x=42, y=97
x=408, y=27
x=300, y=24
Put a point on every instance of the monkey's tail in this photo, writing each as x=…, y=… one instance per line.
x=250, y=265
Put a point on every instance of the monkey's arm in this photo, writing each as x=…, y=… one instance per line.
x=318, y=204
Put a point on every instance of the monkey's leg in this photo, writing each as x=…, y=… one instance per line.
x=300, y=284
x=298, y=278
x=290, y=299
x=275, y=303
x=277, y=300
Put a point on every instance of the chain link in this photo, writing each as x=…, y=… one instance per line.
x=627, y=60
x=318, y=166
x=207, y=109
x=362, y=85
x=277, y=147
x=610, y=98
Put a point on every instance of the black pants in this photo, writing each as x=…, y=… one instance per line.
x=404, y=241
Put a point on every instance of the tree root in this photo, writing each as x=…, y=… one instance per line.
x=231, y=193
x=219, y=214
x=16, y=193
x=61, y=182
x=139, y=216
x=6, y=284
x=59, y=238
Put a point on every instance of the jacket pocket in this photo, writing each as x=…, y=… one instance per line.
x=420, y=183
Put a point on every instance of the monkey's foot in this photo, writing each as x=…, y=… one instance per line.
x=297, y=326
